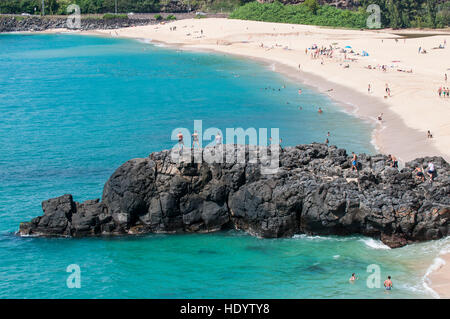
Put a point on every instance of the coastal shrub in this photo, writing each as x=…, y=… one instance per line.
x=171, y=17
x=109, y=16
x=158, y=17
x=312, y=5
x=394, y=13
x=301, y=14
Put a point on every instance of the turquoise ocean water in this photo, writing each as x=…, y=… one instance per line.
x=73, y=108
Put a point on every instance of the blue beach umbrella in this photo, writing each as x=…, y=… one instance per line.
x=348, y=47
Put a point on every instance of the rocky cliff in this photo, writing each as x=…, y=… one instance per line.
x=314, y=191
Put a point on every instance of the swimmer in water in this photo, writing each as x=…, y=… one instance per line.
x=320, y=111
x=353, y=278
x=388, y=283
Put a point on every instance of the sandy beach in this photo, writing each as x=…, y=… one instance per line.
x=440, y=277
x=413, y=108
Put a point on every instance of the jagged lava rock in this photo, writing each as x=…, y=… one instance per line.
x=314, y=191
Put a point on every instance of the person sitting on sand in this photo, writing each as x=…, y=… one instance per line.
x=431, y=170
x=419, y=174
x=354, y=162
x=380, y=117
x=388, y=283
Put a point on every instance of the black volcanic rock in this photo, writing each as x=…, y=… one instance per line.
x=314, y=191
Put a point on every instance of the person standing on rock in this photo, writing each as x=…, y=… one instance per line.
x=180, y=140
x=218, y=139
x=431, y=170
x=195, y=139
x=354, y=162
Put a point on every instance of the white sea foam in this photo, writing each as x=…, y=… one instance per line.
x=375, y=244
x=321, y=238
x=444, y=248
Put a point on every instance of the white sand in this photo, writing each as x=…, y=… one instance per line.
x=413, y=108
x=440, y=278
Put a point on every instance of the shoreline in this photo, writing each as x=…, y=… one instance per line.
x=437, y=277
x=347, y=97
x=395, y=136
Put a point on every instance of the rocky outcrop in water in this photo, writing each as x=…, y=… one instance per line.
x=19, y=23
x=314, y=191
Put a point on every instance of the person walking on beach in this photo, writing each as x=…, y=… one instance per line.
x=388, y=90
x=429, y=135
x=354, y=162
x=369, y=88
x=388, y=283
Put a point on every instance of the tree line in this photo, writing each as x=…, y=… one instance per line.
x=394, y=13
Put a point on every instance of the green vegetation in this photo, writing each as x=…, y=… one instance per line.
x=86, y=6
x=394, y=13
x=114, y=16
x=158, y=17
x=171, y=17
x=309, y=12
x=412, y=13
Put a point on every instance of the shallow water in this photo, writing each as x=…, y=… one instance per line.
x=73, y=108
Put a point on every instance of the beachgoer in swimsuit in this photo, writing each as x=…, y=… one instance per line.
x=195, y=139
x=353, y=278
x=419, y=174
x=218, y=138
x=394, y=161
x=380, y=117
x=431, y=170
x=388, y=283
x=354, y=162
x=180, y=140
x=429, y=135
x=320, y=111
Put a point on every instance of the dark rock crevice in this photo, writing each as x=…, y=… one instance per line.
x=314, y=191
